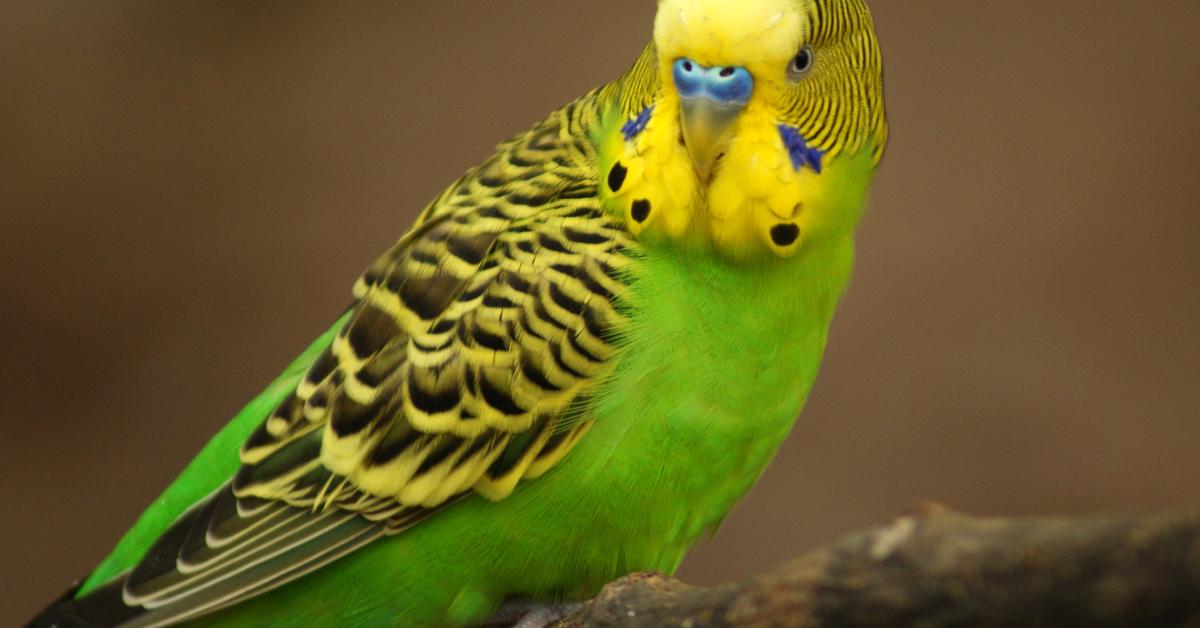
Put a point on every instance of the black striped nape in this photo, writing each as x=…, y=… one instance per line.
x=840, y=107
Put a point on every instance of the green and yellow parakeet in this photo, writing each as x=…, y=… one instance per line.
x=583, y=353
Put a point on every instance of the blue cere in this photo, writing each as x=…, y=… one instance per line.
x=801, y=153
x=726, y=85
x=635, y=126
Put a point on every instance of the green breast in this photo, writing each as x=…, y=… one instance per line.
x=718, y=361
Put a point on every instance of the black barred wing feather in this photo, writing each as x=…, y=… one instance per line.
x=223, y=550
x=466, y=365
x=470, y=353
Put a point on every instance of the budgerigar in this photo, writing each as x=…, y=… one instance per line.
x=583, y=353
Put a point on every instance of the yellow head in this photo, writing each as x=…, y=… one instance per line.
x=752, y=127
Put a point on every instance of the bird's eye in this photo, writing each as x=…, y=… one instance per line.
x=801, y=63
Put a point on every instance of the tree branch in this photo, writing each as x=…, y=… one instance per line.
x=937, y=568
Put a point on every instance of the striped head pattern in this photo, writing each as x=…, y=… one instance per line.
x=749, y=127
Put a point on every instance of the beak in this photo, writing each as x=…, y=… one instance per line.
x=711, y=101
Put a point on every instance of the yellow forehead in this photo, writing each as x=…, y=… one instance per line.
x=756, y=34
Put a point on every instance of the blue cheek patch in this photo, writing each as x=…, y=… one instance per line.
x=801, y=153
x=635, y=126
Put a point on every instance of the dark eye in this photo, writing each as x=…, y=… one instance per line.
x=801, y=63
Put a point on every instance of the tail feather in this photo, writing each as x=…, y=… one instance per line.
x=193, y=569
x=101, y=608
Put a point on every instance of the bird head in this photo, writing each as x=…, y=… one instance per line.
x=751, y=127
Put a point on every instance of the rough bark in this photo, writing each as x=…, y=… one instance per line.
x=936, y=568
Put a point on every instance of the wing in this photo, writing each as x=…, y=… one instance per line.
x=467, y=365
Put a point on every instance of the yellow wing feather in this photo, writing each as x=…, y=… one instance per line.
x=470, y=343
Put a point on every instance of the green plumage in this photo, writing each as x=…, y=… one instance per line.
x=534, y=393
x=208, y=470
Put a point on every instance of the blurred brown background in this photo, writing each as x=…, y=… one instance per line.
x=188, y=189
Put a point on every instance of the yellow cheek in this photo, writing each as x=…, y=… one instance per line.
x=659, y=191
x=676, y=213
x=730, y=212
x=761, y=175
x=756, y=200
x=784, y=201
